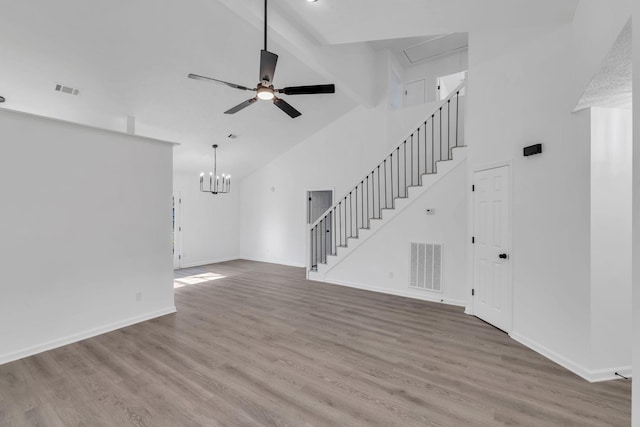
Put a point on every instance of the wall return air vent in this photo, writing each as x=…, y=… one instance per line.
x=426, y=266
x=67, y=89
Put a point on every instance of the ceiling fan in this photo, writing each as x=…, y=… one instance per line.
x=264, y=90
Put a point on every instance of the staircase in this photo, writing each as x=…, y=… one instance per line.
x=434, y=148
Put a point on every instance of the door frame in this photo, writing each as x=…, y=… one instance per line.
x=306, y=226
x=470, y=309
x=405, y=92
x=177, y=231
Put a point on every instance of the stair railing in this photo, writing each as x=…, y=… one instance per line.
x=417, y=155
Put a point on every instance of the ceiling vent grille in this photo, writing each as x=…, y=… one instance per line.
x=67, y=89
x=426, y=266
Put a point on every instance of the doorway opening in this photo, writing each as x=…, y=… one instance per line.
x=319, y=202
x=447, y=84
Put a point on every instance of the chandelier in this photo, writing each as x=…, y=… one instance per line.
x=216, y=186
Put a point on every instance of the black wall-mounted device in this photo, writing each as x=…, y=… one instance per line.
x=532, y=149
x=1, y=98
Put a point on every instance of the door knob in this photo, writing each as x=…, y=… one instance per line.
x=503, y=256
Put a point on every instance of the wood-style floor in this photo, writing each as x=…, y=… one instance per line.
x=262, y=346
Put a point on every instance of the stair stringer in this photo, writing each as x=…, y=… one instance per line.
x=459, y=155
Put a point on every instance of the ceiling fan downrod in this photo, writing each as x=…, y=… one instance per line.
x=264, y=89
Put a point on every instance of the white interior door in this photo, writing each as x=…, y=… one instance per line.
x=414, y=93
x=492, y=277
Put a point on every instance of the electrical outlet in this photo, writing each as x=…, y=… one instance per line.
x=138, y=296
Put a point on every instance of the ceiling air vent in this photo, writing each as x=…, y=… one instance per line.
x=67, y=89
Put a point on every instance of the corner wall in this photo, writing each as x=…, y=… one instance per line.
x=86, y=232
x=611, y=180
x=273, y=199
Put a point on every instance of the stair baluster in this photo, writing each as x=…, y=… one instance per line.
x=336, y=226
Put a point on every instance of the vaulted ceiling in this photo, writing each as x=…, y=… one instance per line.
x=132, y=58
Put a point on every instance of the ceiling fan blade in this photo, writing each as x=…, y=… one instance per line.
x=239, y=107
x=233, y=85
x=268, y=63
x=284, y=106
x=308, y=90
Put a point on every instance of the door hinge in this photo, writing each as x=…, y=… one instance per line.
x=473, y=240
x=179, y=228
x=179, y=200
x=179, y=256
x=473, y=292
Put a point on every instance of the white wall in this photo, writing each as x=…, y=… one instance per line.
x=395, y=79
x=636, y=223
x=86, y=225
x=210, y=223
x=431, y=70
x=382, y=262
x=611, y=177
x=509, y=106
x=273, y=223
x=523, y=85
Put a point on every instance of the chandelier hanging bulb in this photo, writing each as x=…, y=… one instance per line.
x=216, y=186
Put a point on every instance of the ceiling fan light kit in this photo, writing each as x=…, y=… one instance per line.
x=265, y=93
x=265, y=90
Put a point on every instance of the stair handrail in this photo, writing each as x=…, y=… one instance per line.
x=455, y=92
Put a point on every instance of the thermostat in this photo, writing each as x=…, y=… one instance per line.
x=532, y=149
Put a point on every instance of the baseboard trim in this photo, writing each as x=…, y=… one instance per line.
x=271, y=261
x=70, y=339
x=591, y=375
x=610, y=374
x=201, y=263
x=425, y=297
